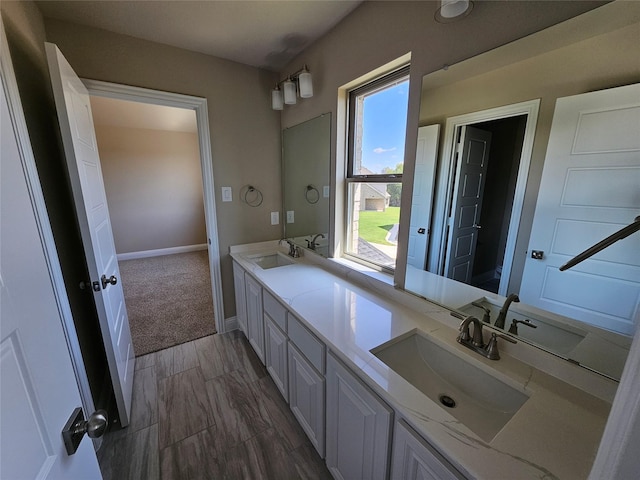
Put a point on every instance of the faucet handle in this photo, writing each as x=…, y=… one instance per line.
x=492, y=346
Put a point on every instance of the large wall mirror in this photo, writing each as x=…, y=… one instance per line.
x=305, y=170
x=516, y=191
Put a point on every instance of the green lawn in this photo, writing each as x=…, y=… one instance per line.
x=374, y=226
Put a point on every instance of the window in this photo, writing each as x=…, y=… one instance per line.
x=377, y=126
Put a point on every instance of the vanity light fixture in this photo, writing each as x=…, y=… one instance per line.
x=452, y=10
x=289, y=91
x=297, y=84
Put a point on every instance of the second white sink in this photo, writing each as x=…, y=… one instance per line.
x=272, y=260
x=477, y=399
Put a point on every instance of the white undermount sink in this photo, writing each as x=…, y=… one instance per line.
x=477, y=399
x=272, y=260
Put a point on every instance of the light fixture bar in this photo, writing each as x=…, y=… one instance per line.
x=297, y=84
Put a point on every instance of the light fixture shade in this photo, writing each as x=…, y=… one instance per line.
x=453, y=8
x=305, y=84
x=289, y=92
x=277, y=100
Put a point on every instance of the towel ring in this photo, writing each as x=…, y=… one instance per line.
x=252, y=196
x=310, y=196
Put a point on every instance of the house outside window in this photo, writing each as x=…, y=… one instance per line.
x=377, y=127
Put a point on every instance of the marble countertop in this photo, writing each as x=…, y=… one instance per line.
x=555, y=434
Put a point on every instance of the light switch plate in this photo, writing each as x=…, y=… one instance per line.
x=290, y=216
x=227, y=195
x=275, y=218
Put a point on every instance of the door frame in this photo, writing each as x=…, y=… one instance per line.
x=199, y=106
x=447, y=180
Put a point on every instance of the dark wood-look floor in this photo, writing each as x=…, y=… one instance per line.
x=207, y=409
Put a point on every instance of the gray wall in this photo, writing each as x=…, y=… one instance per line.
x=153, y=182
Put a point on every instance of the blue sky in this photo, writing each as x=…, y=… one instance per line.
x=385, y=123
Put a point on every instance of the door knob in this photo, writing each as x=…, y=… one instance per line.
x=112, y=280
x=77, y=426
x=476, y=226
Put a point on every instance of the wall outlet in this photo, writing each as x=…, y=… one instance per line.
x=275, y=218
x=227, y=195
x=325, y=191
x=290, y=216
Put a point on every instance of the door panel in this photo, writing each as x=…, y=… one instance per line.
x=471, y=175
x=422, y=200
x=590, y=188
x=85, y=173
x=38, y=390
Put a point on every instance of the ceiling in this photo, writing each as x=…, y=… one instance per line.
x=126, y=114
x=261, y=33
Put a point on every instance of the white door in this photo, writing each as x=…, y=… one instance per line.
x=590, y=188
x=471, y=176
x=83, y=163
x=422, y=199
x=38, y=389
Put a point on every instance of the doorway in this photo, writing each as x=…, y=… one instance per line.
x=153, y=183
x=207, y=245
x=494, y=201
x=495, y=217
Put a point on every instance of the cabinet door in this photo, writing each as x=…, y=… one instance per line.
x=306, y=397
x=255, y=323
x=276, y=355
x=241, y=301
x=415, y=459
x=358, y=427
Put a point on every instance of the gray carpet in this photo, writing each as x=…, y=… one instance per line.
x=168, y=300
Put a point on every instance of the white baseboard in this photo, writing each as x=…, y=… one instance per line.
x=161, y=251
x=230, y=324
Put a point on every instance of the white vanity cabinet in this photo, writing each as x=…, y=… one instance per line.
x=275, y=343
x=414, y=458
x=306, y=381
x=358, y=427
x=241, y=302
x=255, y=322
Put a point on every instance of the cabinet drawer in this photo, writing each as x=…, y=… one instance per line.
x=275, y=310
x=307, y=343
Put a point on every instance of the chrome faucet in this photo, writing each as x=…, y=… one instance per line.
x=502, y=316
x=464, y=337
x=476, y=342
x=294, y=250
x=312, y=244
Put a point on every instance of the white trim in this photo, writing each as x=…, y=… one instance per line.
x=231, y=323
x=158, y=252
x=446, y=173
x=199, y=105
x=44, y=226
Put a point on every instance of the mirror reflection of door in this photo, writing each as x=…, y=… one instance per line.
x=473, y=150
x=483, y=197
x=589, y=189
x=422, y=199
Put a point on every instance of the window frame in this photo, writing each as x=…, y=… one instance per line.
x=380, y=83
